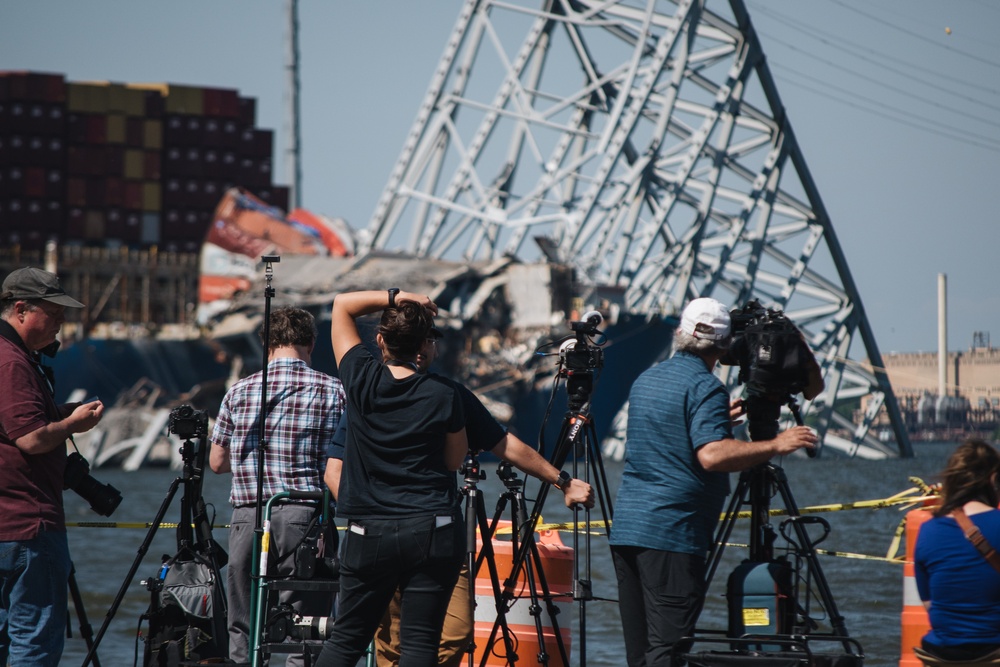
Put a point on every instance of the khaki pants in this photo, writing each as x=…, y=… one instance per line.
x=456, y=634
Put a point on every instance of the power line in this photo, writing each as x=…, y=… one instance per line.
x=896, y=89
x=839, y=43
x=985, y=143
x=916, y=35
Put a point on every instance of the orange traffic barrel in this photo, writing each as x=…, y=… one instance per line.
x=557, y=565
x=915, y=623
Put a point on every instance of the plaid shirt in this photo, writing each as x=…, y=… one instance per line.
x=304, y=407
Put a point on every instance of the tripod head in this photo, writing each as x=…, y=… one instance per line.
x=470, y=468
x=505, y=471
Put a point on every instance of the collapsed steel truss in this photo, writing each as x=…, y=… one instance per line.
x=644, y=144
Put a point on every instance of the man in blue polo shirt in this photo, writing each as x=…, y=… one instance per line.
x=679, y=451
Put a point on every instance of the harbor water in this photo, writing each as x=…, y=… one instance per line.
x=868, y=592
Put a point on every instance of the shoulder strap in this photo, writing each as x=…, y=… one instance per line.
x=976, y=537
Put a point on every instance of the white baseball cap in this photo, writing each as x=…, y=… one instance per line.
x=707, y=319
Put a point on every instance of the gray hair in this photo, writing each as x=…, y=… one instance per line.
x=685, y=342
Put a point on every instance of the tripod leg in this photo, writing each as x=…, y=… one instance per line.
x=487, y=555
x=836, y=619
x=143, y=548
x=86, y=631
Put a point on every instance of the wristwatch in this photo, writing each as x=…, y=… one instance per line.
x=393, y=291
x=562, y=480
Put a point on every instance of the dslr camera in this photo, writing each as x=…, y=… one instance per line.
x=286, y=623
x=103, y=498
x=188, y=423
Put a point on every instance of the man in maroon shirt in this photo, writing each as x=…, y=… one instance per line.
x=34, y=556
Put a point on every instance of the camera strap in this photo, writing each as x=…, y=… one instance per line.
x=977, y=538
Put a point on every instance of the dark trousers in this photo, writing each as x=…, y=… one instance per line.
x=419, y=555
x=660, y=595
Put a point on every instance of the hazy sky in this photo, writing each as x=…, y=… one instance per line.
x=895, y=103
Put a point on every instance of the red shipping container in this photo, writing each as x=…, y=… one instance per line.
x=97, y=128
x=151, y=165
x=212, y=101
x=133, y=195
x=18, y=85
x=76, y=191
x=46, y=87
x=34, y=182
x=114, y=192
x=78, y=160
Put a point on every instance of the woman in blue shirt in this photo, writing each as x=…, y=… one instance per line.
x=959, y=587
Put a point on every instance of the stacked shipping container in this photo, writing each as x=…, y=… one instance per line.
x=141, y=165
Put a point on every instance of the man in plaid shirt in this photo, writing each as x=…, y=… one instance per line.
x=303, y=409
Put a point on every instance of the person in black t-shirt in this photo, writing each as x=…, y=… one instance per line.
x=397, y=492
x=484, y=433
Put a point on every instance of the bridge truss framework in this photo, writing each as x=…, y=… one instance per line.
x=645, y=145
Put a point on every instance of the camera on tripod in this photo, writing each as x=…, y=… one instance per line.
x=103, y=498
x=774, y=361
x=577, y=353
x=775, y=364
x=188, y=423
x=285, y=623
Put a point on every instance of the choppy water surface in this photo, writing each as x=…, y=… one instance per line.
x=867, y=592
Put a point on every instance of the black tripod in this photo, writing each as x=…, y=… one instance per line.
x=755, y=489
x=579, y=360
x=86, y=631
x=475, y=517
x=192, y=511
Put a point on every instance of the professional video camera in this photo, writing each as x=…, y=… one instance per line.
x=775, y=364
x=103, y=498
x=188, y=423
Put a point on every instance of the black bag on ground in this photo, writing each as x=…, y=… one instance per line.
x=187, y=614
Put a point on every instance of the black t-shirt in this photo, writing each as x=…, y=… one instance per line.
x=481, y=427
x=394, y=453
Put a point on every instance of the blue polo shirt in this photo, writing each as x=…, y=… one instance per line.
x=666, y=500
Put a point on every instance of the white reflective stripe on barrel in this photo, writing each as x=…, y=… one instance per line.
x=911, y=598
x=520, y=614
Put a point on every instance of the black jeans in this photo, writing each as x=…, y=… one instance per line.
x=419, y=555
x=660, y=595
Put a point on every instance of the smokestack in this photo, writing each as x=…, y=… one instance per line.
x=942, y=335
